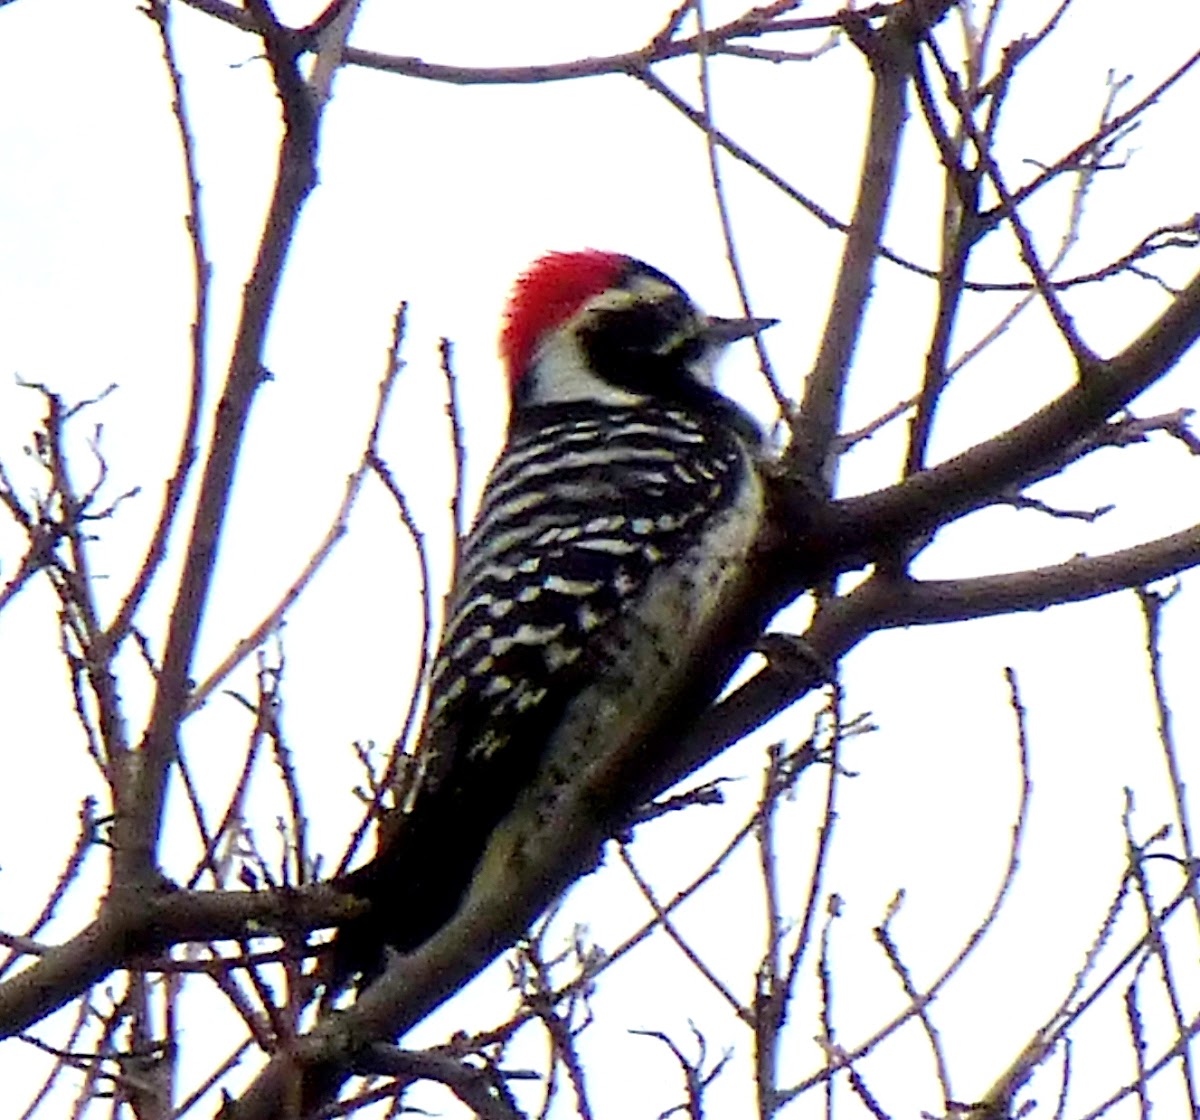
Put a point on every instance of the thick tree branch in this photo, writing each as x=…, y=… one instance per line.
x=857, y=529
x=922, y=602
x=883, y=603
x=892, y=54
x=152, y=924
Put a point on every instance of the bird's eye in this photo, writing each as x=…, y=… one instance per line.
x=656, y=327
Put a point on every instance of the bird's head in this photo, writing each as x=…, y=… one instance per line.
x=603, y=327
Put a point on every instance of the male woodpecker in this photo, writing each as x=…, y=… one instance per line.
x=616, y=522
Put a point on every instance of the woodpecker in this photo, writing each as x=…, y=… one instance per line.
x=620, y=515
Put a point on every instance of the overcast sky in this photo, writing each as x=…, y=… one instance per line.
x=439, y=194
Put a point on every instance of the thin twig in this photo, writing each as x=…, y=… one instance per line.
x=714, y=171
x=338, y=528
x=924, y=998
x=160, y=13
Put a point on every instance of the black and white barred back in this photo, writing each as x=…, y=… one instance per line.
x=583, y=508
x=577, y=516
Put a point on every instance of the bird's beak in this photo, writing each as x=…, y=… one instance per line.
x=724, y=331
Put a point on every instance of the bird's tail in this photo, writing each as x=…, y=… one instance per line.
x=412, y=887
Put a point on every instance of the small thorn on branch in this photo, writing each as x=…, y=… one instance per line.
x=1023, y=501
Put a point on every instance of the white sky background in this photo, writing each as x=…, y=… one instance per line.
x=439, y=195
